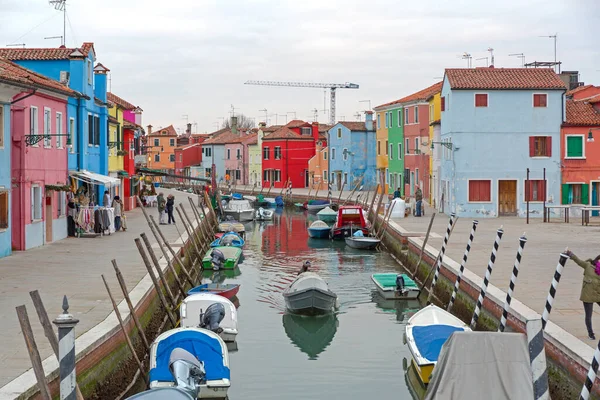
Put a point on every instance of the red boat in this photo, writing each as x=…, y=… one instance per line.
x=350, y=218
x=225, y=290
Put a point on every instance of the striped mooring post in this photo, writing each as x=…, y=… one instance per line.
x=513, y=282
x=329, y=191
x=66, y=352
x=462, y=266
x=486, y=279
x=552, y=292
x=441, y=257
x=289, y=190
x=591, y=375
x=537, y=358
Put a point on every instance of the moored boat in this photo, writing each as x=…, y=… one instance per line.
x=349, y=220
x=319, y=230
x=240, y=210
x=195, y=311
x=262, y=214
x=393, y=286
x=327, y=215
x=228, y=239
x=231, y=257
x=228, y=290
x=309, y=294
x=362, y=242
x=231, y=226
x=316, y=205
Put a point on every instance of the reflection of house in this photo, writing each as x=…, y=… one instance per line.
x=160, y=148
x=497, y=123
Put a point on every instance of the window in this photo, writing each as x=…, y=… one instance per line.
x=378, y=147
x=575, y=146
x=305, y=131
x=163, y=132
x=47, y=128
x=431, y=112
x=277, y=175
x=407, y=176
x=481, y=100
x=387, y=176
x=172, y=142
x=386, y=120
x=480, y=191
x=180, y=157
x=229, y=154
x=2, y=126
x=378, y=121
x=391, y=151
x=36, y=203
x=575, y=193
x=345, y=154
x=535, y=190
x=277, y=153
x=345, y=178
x=208, y=172
x=90, y=130
x=540, y=100
x=59, y=139
x=417, y=148
x=399, y=151
x=157, y=142
x=72, y=134
x=448, y=103
x=208, y=152
x=540, y=146
x=238, y=175
x=157, y=158
x=332, y=178
x=62, y=203
x=33, y=122
x=4, y=210
x=325, y=176
x=238, y=154
x=416, y=114
x=407, y=146
x=333, y=154
x=406, y=116
x=399, y=118
x=266, y=175
x=265, y=153
x=443, y=104
x=172, y=157
x=324, y=155
x=96, y=130
x=339, y=133
x=386, y=147
x=89, y=72
x=391, y=119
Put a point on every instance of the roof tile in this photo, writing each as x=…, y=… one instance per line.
x=296, y=123
x=55, y=53
x=578, y=89
x=159, y=132
x=286, y=133
x=113, y=98
x=13, y=73
x=504, y=78
x=581, y=113
x=420, y=95
x=355, y=126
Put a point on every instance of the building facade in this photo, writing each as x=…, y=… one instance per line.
x=213, y=155
x=391, y=116
x=434, y=154
x=382, y=146
x=318, y=168
x=186, y=157
x=250, y=149
x=160, y=149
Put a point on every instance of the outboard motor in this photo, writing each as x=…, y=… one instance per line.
x=212, y=317
x=260, y=213
x=217, y=259
x=400, y=283
x=188, y=371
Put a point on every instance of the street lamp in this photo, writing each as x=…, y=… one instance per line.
x=445, y=144
x=590, y=137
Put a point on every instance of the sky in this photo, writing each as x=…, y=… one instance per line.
x=191, y=57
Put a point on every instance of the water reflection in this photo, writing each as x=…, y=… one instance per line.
x=404, y=309
x=414, y=385
x=311, y=335
x=221, y=275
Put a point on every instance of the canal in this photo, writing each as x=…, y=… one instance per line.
x=355, y=354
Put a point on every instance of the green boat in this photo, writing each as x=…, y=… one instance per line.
x=387, y=286
x=232, y=257
x=327, y=215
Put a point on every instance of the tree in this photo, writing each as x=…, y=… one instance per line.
x=243, y=122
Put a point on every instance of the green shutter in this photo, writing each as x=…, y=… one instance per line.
x=585, y=194
x=565, y=193
x=574, y=146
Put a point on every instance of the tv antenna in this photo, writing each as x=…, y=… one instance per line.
x=16, y=44
x=315, y=114
x=186, y=117
x=366, y=101
x=521, y=56
x=357, y=116
x=61, y=5
x=486, y=61
x=491, y=54
x=267, y=115
x=468, y=57
x=553, y=37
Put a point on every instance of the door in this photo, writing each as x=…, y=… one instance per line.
x=48, y=219
x=507, y=197
x=306, y=178
x=595, y=197
x=412, y=183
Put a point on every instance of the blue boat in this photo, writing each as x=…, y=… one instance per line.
x=279, y=201
x=319, y=230
x=237, y=196
x=229, y=239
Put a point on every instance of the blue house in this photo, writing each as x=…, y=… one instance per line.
x=352, y=154
x=87, y=116
x=213, y=154
x=496, y=124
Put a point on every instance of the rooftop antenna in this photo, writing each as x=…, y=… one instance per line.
x=521, y=56
x=195, y=125
x=553, y=37
x=232, y=112
x=491, y=54
x=357, y=116
x=486, y=60
x=61, y=5
x=366, y=101
x=186, y=117
x=16, y=44
x=267, y=115
x=292, y=112
x=468, y=57
x=316, y=115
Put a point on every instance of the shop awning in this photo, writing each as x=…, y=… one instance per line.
x=94, y=178
x=123, y=174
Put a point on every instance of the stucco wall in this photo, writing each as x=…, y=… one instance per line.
x=35, y=234
x=216, y=158
x=5, y=234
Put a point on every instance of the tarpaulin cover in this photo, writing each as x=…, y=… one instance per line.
x=482, y=365
x=317, y=202
x=204, y=347
x=429, y=339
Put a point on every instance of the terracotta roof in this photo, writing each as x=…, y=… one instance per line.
x=324, y=127
x=286, y=133
x=271, y=128
x=296, y=123
x=420, y=95
x=225, y=136
x=170, y=132
x=15, y=74
x=504, y=78
x=56, y=53
x=113, y=98
x=354, y=126
x=251, y=139
x=581, y=113
x=595, y=99
x=577, y=89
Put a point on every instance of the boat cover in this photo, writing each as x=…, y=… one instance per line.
x=204, y=347
x=237, y=196
x=319, y=224
x=430, y=338
x=317, y=202
x=388, y=280
x=482, y=365
x=279, y=201
x=327, y=211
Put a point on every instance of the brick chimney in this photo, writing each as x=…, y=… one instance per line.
x=234, y=125
x=369, y=120
x=149, y=130
x=188, y=130
x=315, y=131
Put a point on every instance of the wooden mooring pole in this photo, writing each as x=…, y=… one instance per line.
x=414, y=274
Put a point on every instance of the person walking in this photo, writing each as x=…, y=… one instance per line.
x=117, y=204
x=170, y=205
x=590, y=287
x=71, y=217
x=418, y=201
x=397, y=194
x=160, y=200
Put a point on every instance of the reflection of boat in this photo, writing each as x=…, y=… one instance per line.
x=205, y=345
x=309, y=294
x=414, y=385
x=319, y=230
x=311, y=335
x=263, y=214
x=314, y=243
x=395, y=286
x=327, y=215
x=404, y=309
x=362, y=242
x=192, y=313
x=220, y=275
x=228, y=239
x=240, y=210
x=232, y=257
x=425, y=334
x=349, y=220
x=226, y=290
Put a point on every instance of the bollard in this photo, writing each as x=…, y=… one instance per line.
x=329, y=192
x=486, y=279
x=440, y=258
x=66, y=352
x=537, y=357
x=552, y=292
x=513, y=282
x=462, y=265
x=591, y=375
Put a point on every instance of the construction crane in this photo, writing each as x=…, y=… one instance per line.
x=331, y=86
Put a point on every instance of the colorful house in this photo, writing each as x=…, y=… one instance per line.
x=392, y=114
x=132, y=134
x=435, y=124
x=116, y=148
x=496, y=124
x=318, y=168
x=160, y=148
x=250, y=151
x=186, y=157
x=234, y=154
x=213, y=155
x=381, y=160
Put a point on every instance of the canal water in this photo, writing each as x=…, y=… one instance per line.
x=356, y=353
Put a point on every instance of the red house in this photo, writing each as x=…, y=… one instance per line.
x=187, y=156
x=286, y=151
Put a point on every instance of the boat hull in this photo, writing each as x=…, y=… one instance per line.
x=315, y=208
x=226, y=290
x=319, y=233
x=327, y=217
x=312, y=301
x=243, y=215
x=389, y=292
x=232, y=257
x=362, y=243
x=423, y=372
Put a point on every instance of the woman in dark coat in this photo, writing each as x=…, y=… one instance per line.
x=590, y=288
x=170, y=205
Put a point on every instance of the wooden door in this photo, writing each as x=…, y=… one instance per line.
x=48, y=219
x=507, y=198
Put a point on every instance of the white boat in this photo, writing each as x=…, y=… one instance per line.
x=390, y=288
x=204, y=345
x=327, y=214
x=240, y=210
x=362, y=242
x=309, y=294
x=426, y=332
x=194, y=305
x=262, y=214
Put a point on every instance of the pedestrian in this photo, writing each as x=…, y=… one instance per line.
x=106, y=199
x=397, y=194
x=160, y=200
x=590, y=287
x=117, y=204
x=170, y=205
x=418, y=201
x=71, y=217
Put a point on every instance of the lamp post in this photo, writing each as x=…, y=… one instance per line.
x=590, y=137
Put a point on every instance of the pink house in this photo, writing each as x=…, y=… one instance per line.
x=39, y=171
x=234, y=159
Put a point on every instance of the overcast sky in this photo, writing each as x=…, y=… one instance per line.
x=192, y=57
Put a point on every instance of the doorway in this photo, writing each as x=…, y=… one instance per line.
x=507, y=198
x=595, y=197
x=306, y=178
x=48, y=219
x=412, y=183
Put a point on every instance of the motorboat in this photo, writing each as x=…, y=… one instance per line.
x=260, y=201
x=361, y=242
x=349, y=220
x=210, y=311
x=319, y=230
x=241, y=210
x=426, y=332
x=311, y=335
x=262, y=214
x=327, y=214
x=228, y=239
x=309, y=294
x=316, y=205
x=227, y=290
x=203, y=345
x=395, y=286
x=228, y=258
x=270, y=201
x=231, y=226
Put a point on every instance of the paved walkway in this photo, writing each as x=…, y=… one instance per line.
x=70, y=267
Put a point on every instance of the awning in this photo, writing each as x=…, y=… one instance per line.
x=94, y=178
x=123, y=174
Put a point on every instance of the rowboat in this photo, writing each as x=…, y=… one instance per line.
x=426, y=332
x=327, y=215
x=309, y=294
x=232, y=257
x=316, y=205
x=362, y=242
x=229, y=239
x=393, y=286
x=195, y=311
x=319, y=230
x=226, y=290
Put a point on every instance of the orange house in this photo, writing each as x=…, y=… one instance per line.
x=160, y=148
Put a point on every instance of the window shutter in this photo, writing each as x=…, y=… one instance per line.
x=543, y=189
x=548, y=146
x=536, y=100
x=565, y=193
x=527, y=190
x=585, y=194
x=531, y=146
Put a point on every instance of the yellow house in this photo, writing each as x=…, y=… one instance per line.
x=116, y=147
x=382, y=159
x=435, y=115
